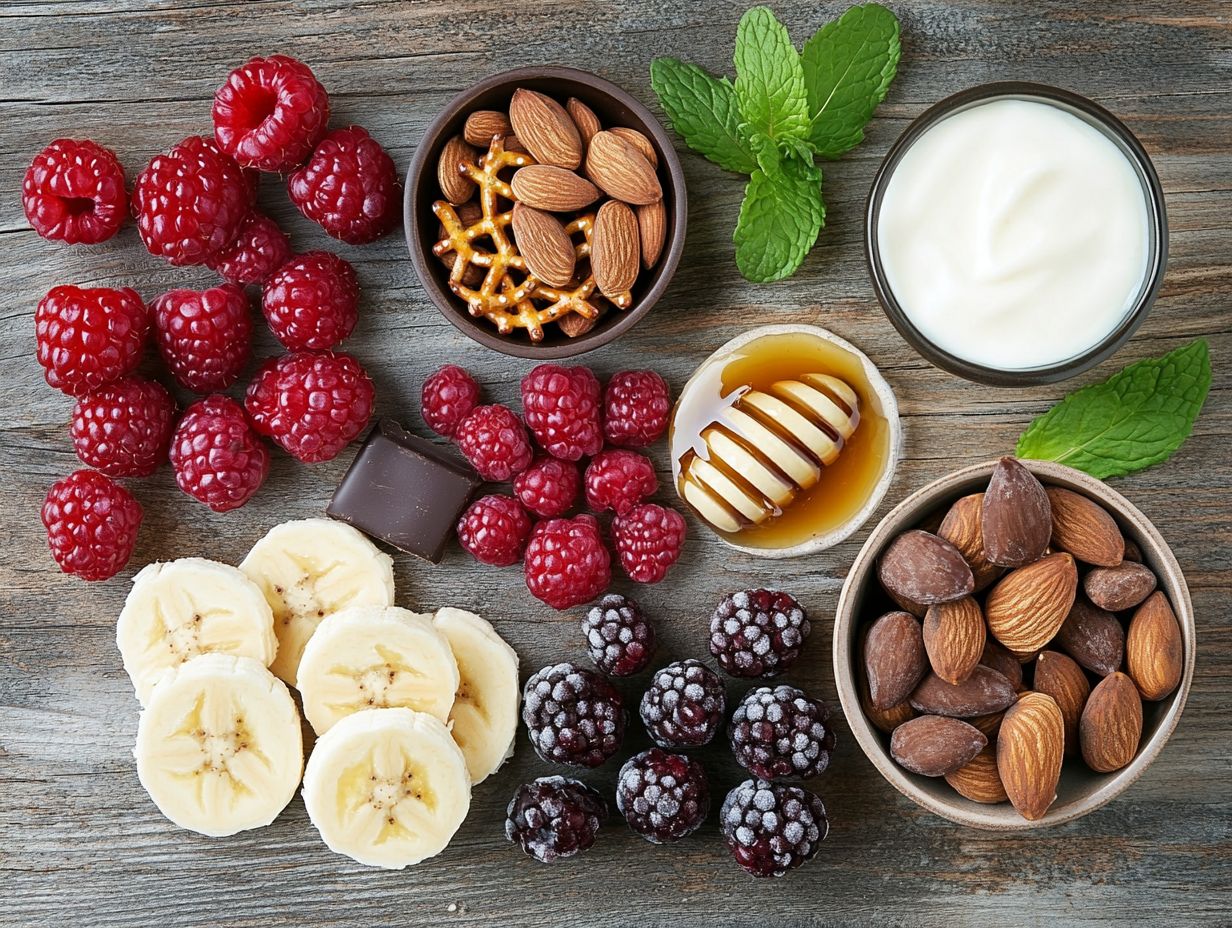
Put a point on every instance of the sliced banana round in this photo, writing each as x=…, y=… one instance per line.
x=309, y=569
x=219, y=747
x=387, y=787
x=376, y=657
x=178, y=610
x=484, y=717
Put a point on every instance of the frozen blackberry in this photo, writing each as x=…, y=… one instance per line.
x=619, y=638
x=553, y=817
x=684, y=706
x=779, y=733
x=573, y=716
x=771, y=828
x=758, y=633
x=664, y=797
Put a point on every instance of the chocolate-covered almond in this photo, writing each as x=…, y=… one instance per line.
x=920, y=567
x=1017, y=519
x=894, y=659
x=982, y=693
x=1093, y=637
x=1119, y=588
x=933, y=745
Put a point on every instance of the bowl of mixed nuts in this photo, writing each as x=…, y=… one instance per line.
x=545, y=212
x=1014, y=645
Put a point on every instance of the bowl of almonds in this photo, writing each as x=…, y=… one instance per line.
x=1014, y=645
x=545, y=212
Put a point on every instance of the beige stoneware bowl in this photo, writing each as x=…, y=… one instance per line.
x=1080, y=791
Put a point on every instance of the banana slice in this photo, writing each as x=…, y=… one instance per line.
x=219, y=747
x=387, y=787
x=309, y=569
x=484, y=717
x=178, y=610
x=376, y=657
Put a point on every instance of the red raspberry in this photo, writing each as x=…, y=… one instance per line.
x=494, y=530
x=312, y=301
x=312, y=403
x=74, y=192
x=648, y=541
x=349, y=187
x=561, y=406
x=566, y=562
x=270, y=113
x=494, y=441
x=88, y=337
x=549, y=487
x=91, y=524
x=204, y=336
x=619, y=480
x=124, y=428
x=190, y=202
x=449, y=396
x=217, y=457
x=259, y=249
x=636, y=405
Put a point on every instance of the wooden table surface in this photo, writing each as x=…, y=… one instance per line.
x=80, y=842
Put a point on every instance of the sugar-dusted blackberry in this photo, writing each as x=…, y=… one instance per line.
x=771, y=828
x=758, y=633
x=664, y=797
x=573, y=715
x=684, y=706
x=620, y=639
x=780, y=733
x=552, y=818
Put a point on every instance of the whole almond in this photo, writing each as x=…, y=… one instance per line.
x=1132, y=551
x=894, y=659
x=954, y=635
x=456, y=187
x=1083, y=528
x=1003, y=662
x=1015, y=517
x=982, y=693
x=887, y=719
x=978, y=779
x=574, y=325
x=1119, y=588
x=1111, y=724
x=1028, y=605
x=652, y=229
x=544, y=244
x=638, y=141
x=513, y=143
x=584, y=118
x=614, y=250
x=933, y=745
x=1030, y=749
x=620, y=170
x=1154, y=651
x=482, y=126
x=1059, y=676
x=963, y=528
x=543, y=126
x=547, y=187
x=989, y=724
x=1093, y=637
x=924, y=569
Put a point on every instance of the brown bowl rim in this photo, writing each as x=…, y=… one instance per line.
x=479, y=329
x=907, y=514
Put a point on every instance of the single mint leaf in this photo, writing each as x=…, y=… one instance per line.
x=703, y=110
x=1133, y=420
x=848, y=67
x=769, y=79
x=779, y=219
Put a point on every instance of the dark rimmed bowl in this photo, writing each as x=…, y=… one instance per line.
x=1157, y=248
x=614, y=107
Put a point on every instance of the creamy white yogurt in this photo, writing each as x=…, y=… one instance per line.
x=1014, y=234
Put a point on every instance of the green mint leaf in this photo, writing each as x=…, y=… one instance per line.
x=769, y=79
x=1132, y=420
x=703, y=110
x=848, y=66
x=779, y=219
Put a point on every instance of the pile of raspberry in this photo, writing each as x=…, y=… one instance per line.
x=574, y=440
x=195, y=204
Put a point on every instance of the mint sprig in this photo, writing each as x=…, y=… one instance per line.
x=784, y=110
x=1135, y=419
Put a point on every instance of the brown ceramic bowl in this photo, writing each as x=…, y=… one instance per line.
x=1081, y=790
x=614, y=107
